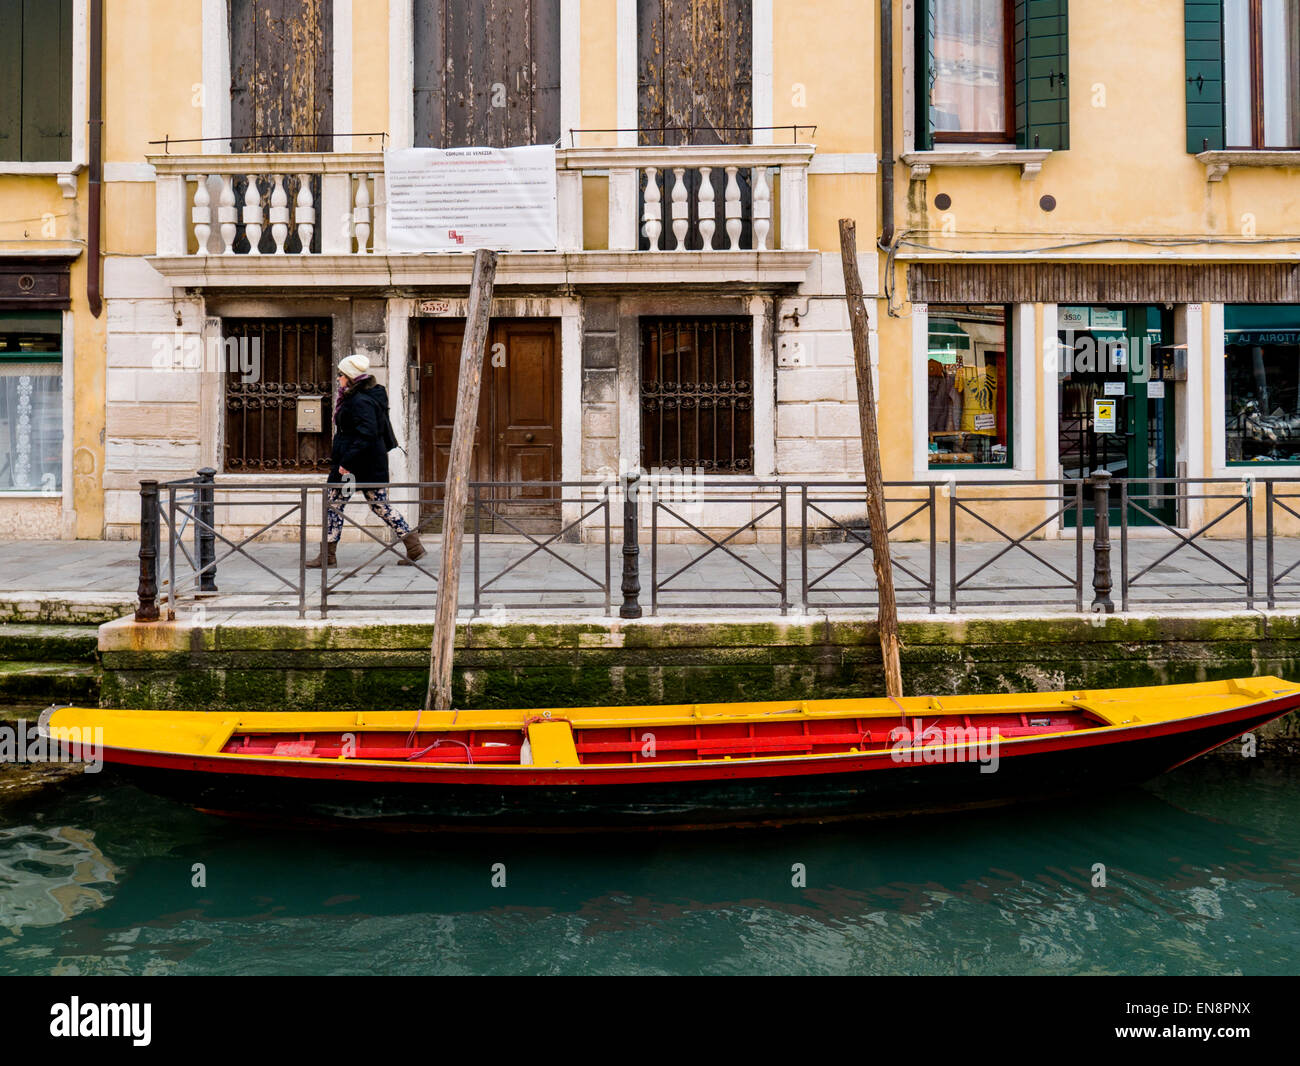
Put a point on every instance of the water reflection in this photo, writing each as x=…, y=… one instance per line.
x=48, y=875
x=1203, y=877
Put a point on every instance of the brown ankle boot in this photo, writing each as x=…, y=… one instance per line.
x=314, y=564
x=414, y=549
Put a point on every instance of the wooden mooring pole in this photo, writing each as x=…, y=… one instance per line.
x=876, y=517
x=456, y=492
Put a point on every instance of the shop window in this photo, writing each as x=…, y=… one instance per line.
x=268, y=364
x=697, y=394
x=993, y=71
x=36, y=80
x=969, y=386
x=31, y=402
x=1262, y=383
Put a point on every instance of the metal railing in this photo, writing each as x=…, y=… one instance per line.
x=726, y=543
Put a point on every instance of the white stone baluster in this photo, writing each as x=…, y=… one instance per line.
x=226, y=214
x=253, y=215
x=279, y=213
x=651, y=217
x=762, y=208
x=361, y=213
x=201, y=214
x=732, y=207
x=304, y=215
x=707, y=222
x=681, y=209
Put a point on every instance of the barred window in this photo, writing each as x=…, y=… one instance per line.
x=268, y=363
x=697, y=396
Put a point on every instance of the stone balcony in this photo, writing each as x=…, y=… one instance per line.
x=729, y=214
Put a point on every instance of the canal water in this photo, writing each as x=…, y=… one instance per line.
x=1201, y=876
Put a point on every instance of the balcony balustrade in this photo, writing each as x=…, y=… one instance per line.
x=729, y=212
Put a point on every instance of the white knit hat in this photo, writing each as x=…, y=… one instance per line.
x=354, y=366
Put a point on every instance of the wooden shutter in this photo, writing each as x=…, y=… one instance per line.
x=695, y=71
x=1042, y=69
x=11, y=80
x=36, y=80
x=1205, y=102
x=282, y=75
x=487, y=74
x=924, y=73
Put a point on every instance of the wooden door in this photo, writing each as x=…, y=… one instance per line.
x=487, y=74
x=517, y=438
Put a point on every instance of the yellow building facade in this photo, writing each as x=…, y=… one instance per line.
x=1053, y=239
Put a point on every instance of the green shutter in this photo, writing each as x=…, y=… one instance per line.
x=1204, y=43
x=924, y=72
x=47, y=80
x=11, y=79
x=1042, y=69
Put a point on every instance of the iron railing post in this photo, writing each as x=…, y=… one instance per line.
x=302, y=552
x=952, y=547
x=205, y=538
x=172, y=538
x=1065, y=503
x=631, y=588
x=1268, y=544
x=934, y=561
x=324, y=549
x=803, y=544
x=1102, y=582
x=785, y=547
x=609, y=582
x=1250, y=543
x=478, y=555
x=1123, y=544
x=147, y=592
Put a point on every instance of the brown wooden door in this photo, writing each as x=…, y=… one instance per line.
x=517, y=438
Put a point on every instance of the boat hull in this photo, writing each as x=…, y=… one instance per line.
x=756, y=792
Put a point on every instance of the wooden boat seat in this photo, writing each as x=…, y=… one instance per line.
x=552, y=743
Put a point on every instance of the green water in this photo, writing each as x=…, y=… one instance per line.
x=1202, y=870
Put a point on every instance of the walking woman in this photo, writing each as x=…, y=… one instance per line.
x=359, y=455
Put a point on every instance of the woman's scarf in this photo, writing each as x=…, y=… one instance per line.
x=346, y=391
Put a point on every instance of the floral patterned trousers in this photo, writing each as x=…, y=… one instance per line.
x=378, y=500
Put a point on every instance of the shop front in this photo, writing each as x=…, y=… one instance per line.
x=1116, y=397
x=1261, y=367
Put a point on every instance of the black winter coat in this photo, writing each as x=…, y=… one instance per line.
x=359, y=433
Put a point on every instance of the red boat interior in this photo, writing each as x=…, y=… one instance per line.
x=648, y=742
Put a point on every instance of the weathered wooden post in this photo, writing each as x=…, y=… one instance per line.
x=1101, y=578
x=147, y=591
x=456, y=491
x=876, y=517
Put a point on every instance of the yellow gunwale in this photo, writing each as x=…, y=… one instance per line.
x=204, y=733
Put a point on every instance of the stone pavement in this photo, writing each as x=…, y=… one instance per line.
x=97, y=580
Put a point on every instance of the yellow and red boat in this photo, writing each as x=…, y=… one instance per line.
x=685, y=766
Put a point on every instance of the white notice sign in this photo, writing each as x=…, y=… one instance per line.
x=1103, y=416
x=459, y=199
x=1155, y=390
x=1113, y=388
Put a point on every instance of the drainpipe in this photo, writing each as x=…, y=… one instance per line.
x=886, y=123
x=95, y=176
